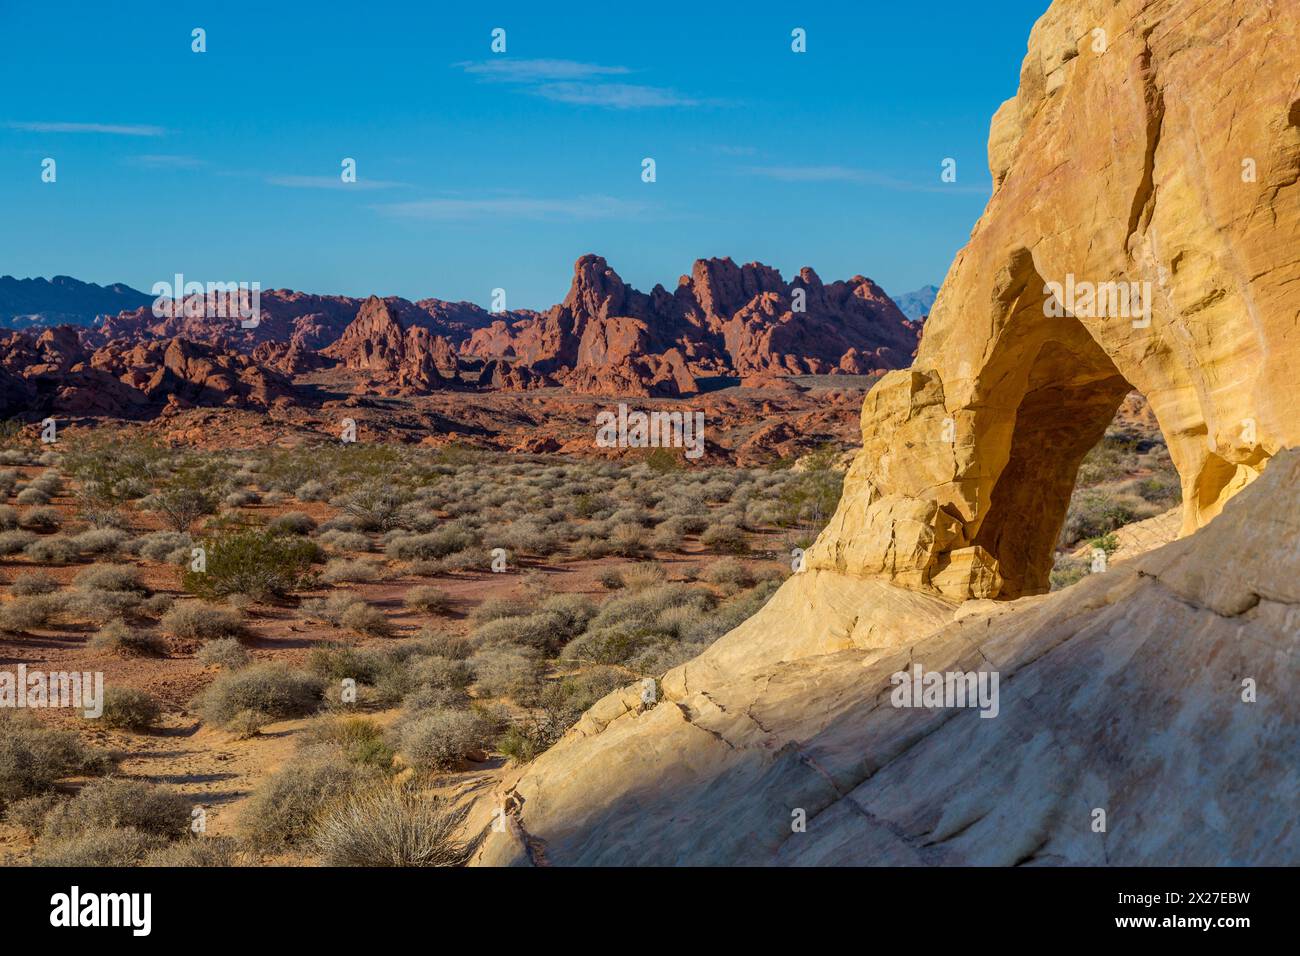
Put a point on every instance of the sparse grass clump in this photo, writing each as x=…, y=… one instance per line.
x=428, y=599
x=129, y=708
x=197, y=621
x=387, y=827
x=120, y=638
x=275, y=690
x=366, y=620
x=224, y=652
x=34, y=757
x=285, y=809
x=114, y=802
x=440, y=738
x=33, y=582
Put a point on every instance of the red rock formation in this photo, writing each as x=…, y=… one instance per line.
x=723, y=319
x=57, y=371
x=413, y=357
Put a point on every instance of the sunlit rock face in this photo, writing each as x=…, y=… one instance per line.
x=1144, y=231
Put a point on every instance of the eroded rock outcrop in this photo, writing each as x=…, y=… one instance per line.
x=412, y=356
x=1119, y=161
x=722, y=319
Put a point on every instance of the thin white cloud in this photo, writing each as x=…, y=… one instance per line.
x=848, y=174
x=161, y=161
x=113, y=130
x=620, y=96
x=331, y=182
x=537, y=71
x=569, y=81
x=515, y=207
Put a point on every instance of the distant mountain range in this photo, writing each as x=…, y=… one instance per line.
x=62, y=300
x=721, y=322
x=917, y=304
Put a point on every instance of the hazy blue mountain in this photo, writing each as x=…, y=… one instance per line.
x=916, y=304
x=62, y=300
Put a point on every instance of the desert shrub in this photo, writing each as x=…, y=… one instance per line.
x=43, y=520
x=197, y=621
x=129, y=708
x=439, y=739
x=11, y=542
x=345, y=540
x=187, y=495
x=629, y=540
x=156, y=605
x=101, y=606
x=391, y=827
x=284, y=810
x=498, y=607
x=330, y=609
x=374, y=507
x=33, y=582
x=310, y=491
x=428, y=599
x=272, y=689
x=204, y=851
x=669, y=536
x=513, y=672
x=8, y=517
x=34, y=757
x=340, y=571
x=241, y=498
x=612, y=579
x=611, y=644
x=171, y=547
x=26, y=613
x=1067, y=571
x=427, y=547
x=115, y=846
x=258, y=563
x=109, y=577
x=224, y=652
x=725, y=537
x=367, y=621
x=246, y=723
x=292, y=522
x=114, y=802
x=120, y=638
x=359, y=739
x=32, y=496
x=731, y=614
x=100, y=541
x=729, y=574
x=1096, y=512
x=56, y=549
x=638, y=577
x=641, y=609
x=436, y=643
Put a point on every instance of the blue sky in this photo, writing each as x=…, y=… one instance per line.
x=478, y=170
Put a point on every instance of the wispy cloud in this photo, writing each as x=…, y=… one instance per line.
x=515, y=207
x=161, y=161
x=331, y=182
x=867, y=177
x=537, y=71
x=619, y=96
x=110, y=129
x=583, y=84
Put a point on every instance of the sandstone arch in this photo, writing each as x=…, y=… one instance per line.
x=1099, y=174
